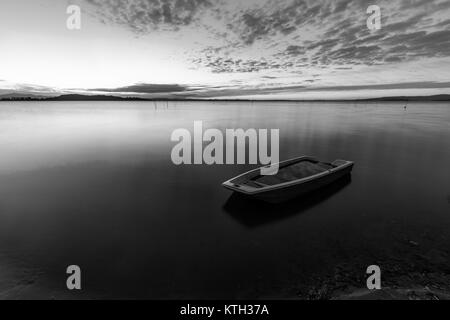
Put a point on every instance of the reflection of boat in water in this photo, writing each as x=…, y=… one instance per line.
x=253, y=213
x=294, y=177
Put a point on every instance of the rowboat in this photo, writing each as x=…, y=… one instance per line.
x=295, y=177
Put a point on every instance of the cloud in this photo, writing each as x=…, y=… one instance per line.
x=143, y=16
x=152, y=90
x=227, y=65
x=257, y=24
x=163, y=91
x=389, y=86
x=291, y=33
x=146, y=88
x=294, y=50
x=269, y=43
x=217, y=92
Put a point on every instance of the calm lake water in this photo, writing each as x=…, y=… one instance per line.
x=92, y=184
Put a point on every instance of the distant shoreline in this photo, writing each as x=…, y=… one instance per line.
x=77, y=97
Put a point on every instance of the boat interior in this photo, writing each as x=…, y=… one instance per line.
x=286, y=173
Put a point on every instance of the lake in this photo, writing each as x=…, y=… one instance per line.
x=93, y=184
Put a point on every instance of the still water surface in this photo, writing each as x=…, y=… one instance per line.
x=92, y=184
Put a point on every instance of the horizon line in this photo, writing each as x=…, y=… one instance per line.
x=83, y=97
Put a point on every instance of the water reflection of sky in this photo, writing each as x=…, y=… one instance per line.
x=94, y=184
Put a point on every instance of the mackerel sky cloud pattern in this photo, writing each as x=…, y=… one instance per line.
x=261, y=45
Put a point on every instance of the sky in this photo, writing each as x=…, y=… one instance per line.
x=252, y=49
